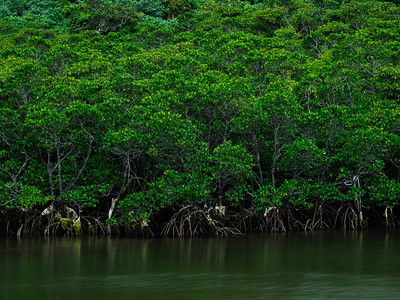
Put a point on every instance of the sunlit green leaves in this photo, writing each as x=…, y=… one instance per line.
x=263, y=105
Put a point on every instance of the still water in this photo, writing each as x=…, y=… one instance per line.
x=316, y=265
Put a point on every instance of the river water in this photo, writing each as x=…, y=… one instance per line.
x=312, y=265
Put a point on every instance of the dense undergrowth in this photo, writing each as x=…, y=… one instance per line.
x=189, y=118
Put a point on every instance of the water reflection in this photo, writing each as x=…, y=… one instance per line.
x=287, y=266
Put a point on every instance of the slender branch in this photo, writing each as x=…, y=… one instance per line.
x=8, y=174
x=73, y=183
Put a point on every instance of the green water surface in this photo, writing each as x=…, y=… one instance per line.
x=316, y=265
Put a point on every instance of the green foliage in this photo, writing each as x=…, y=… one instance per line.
x=22, y=197
x=303, y=158
x=385, y=192
x=154, y=8
x=20, y=12
x=169, y=104
x=232, y=168
x=85, y=195
x=104, y=18
x=30, y=197
x=179, y=7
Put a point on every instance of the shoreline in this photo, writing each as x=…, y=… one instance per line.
x=193, y=221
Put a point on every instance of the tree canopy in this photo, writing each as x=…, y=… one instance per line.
x=122, y=111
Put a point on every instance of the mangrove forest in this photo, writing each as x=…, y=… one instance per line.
x=198, y=117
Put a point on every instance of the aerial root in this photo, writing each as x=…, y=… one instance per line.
x=194, y=221
x=348, y=217
x=251, y=221
x=317, y=222
x=274, y=220
x=191, y=221
x=140, y=227
x=390, y=219
x=93, y=225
